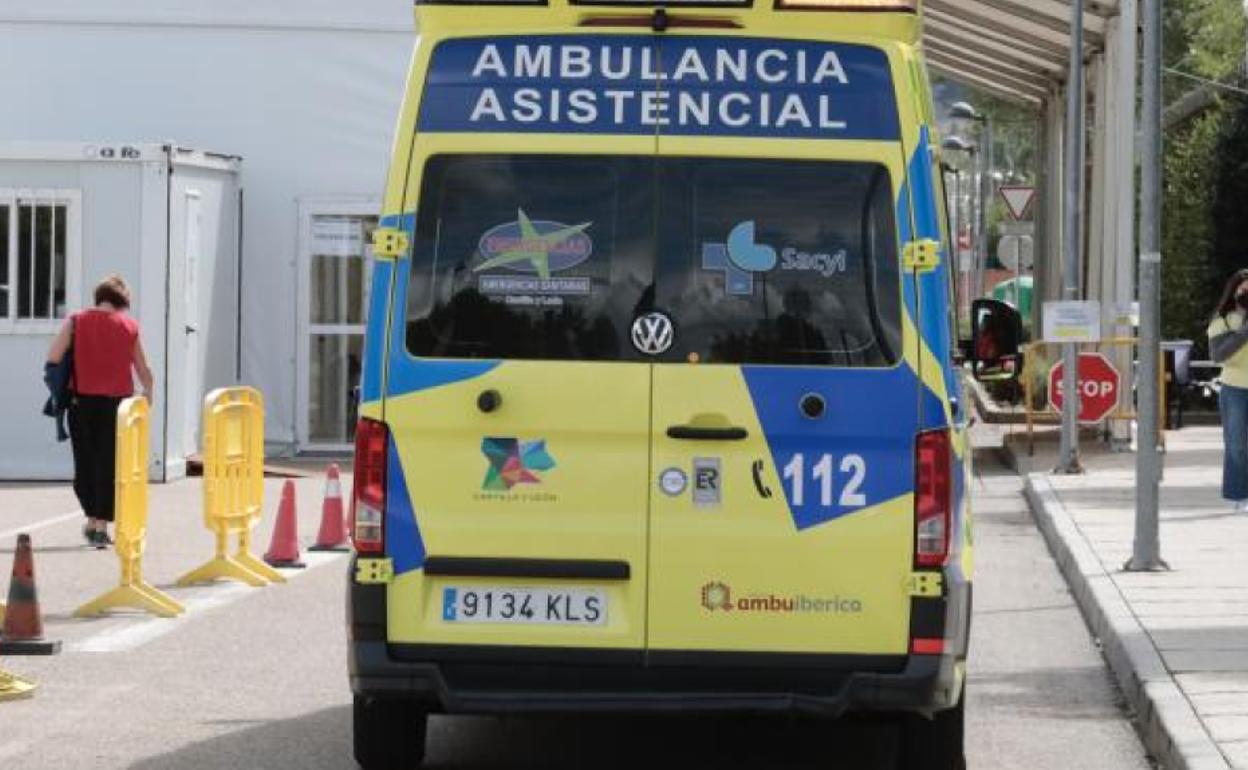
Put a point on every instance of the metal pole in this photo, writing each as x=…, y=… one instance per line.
x=968, y=222
x=1068, y=461
x=985, y=199
x=1146, y=555
x=957, y=236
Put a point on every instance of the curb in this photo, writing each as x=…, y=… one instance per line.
x=1168, y=725
x=988, y=410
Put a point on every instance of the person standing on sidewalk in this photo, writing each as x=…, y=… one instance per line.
x=1228, y=345
x=107, y=354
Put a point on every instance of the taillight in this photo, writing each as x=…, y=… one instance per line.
x=368, y=499
x=933, y=498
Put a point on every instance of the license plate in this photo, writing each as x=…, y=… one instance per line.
x=537, y=606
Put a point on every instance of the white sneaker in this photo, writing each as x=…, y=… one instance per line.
x=1241, y=506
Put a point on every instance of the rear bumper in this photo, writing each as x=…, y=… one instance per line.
x=492, y=683
x=503, y=680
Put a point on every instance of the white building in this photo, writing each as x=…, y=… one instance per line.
x=306, y=92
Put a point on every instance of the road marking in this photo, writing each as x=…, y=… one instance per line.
x=38, y=525
x=13, y=748
x=133, y=635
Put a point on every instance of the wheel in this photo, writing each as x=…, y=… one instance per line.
x=389, y=734
x=936, y=743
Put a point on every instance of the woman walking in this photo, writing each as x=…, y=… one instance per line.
x=104, y=342
x=1228, y=345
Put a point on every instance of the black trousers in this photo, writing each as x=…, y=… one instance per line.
x=93, y=431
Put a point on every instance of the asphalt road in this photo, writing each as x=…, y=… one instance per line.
x=255, y=678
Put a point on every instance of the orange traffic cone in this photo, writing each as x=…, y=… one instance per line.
x=23, y=627
x=284, y=547
x=333, y=534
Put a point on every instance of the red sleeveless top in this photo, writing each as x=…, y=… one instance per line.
x=104, y=343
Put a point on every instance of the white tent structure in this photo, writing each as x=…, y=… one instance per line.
x=165, y=217
x=306, y=92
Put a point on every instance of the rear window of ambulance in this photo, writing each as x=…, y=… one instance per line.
x=756, y=261
x=780, y=262
x=530, y=257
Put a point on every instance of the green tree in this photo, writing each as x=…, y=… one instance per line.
x=1204, y=159
x=1189, y=167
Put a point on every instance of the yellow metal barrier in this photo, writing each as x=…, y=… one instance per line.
x=233, y=485
x=13, y=687
x=130, y=502
x=1122, y=412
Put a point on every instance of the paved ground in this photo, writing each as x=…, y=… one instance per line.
x=1196, y=615
x=256, y=677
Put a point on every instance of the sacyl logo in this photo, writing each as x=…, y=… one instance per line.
x=741, y=257
x=653, y=333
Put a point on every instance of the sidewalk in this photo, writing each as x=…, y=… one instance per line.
x=1178, y=640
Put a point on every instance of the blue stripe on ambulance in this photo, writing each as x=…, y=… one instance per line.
x=375, y=332
x=930, y=320
x=908, y=295
x=404, y=544
x=847, y=428
x=932, y=325
x=933, y=285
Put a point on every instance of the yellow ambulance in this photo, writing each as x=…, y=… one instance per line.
x=659, y=410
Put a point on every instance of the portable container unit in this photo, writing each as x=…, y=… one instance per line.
x=163, y=217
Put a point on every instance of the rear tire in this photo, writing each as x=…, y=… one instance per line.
x=936, y=743
x=389, y=734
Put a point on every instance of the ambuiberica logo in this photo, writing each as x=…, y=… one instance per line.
x=717, y=596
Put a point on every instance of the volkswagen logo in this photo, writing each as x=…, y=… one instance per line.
x=653, y=333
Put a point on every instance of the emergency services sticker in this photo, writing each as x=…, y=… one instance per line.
x=707, y=481
x=673, y=482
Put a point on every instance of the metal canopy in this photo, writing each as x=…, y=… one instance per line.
x=1015, y=49
x=991, y=85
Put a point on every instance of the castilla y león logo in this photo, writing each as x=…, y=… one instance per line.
x=716, y=596
x=513, y=462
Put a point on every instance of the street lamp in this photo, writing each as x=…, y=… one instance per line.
x=964, y=111
x=958, y=144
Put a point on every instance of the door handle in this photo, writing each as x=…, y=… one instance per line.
x=699, y=433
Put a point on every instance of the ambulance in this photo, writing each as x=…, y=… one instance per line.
x=659, y=410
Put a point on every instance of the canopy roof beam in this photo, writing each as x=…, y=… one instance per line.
x=983, y=48
x=943, y=23
x=1033, y=87
x=1021, y=93
x=988, y=61
x=1048, y=14
x=1105, y=10
x=1057, y=41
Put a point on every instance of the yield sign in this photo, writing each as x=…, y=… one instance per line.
x=1017, y=199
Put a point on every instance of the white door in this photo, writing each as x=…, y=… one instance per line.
x=194, y=388
x=335, y=264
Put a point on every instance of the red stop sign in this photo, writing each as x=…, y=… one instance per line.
x=1098, y=387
